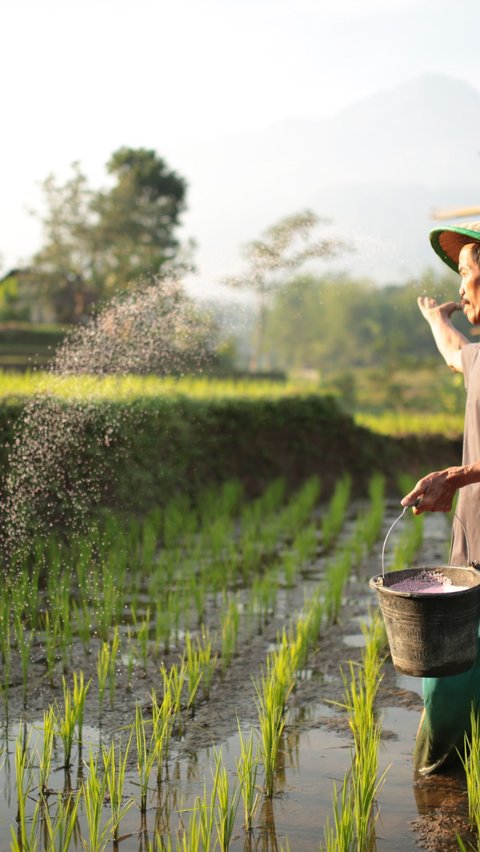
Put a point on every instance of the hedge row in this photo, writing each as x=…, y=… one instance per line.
x=143, y=452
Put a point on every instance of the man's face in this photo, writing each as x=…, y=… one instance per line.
x=470, y=285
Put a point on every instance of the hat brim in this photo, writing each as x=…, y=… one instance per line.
x=448, y=242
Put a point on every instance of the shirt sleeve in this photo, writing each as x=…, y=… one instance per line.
x=468, y=354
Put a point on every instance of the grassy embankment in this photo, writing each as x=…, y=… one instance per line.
x=147, y=437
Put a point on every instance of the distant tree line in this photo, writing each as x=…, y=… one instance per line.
x=333, y=323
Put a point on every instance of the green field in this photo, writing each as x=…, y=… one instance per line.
x=124, y=389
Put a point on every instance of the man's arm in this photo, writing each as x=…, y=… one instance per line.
x=449, y=340
x=437, y=490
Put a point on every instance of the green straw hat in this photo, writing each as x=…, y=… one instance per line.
x=449, y=241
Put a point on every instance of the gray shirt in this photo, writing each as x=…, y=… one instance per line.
x=468, y=505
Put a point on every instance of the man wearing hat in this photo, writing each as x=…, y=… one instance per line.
x=448, y=700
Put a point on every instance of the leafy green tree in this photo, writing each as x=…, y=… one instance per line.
x=100, y=241
x=281, y=250
x=137, y=217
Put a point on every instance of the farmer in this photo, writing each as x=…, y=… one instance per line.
x=448, y=700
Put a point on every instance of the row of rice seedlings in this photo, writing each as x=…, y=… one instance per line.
x=277, y=681
x=354, y=808
x=365, y=531
x=333, y=519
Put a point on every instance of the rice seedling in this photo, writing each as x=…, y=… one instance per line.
x=45, y=758
x=333, y=520
x=299, y=509
x=82, y=616
x=112, y=662
x=175, y=681
x=146, y=756
x=115, y=768
x=471, y=763
x=80, y=689
x=6, y=660
x=108, y=604
x=289, y=566
x=270, y=705
x=341, y=836
x=65, y=631
x=264, y=593
x=255, y=512
x=143, y=634
x=150, y=534
x=197, y=589
x=304, y=545
x=93, y=796
x=24, y=640
x=130, y=658
x=163, y=625
x=229, y=633
x=59, y=831
x=163, y=718
x=205, y=809
x=247, y=771
x=24, y=839
x=314, y=614
x=103, y=667
x=50, y=645
x=336, y=573
x=66, y=724
x=178, y=521
x=227, y=803
x=198, y=663
x=363, y=784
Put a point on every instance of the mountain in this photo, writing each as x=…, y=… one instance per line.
x=377, y=169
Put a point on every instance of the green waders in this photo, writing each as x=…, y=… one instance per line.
x=446, y=718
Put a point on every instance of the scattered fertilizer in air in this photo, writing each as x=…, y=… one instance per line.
x=59, y=451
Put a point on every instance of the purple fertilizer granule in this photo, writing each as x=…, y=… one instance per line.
x=427, y=583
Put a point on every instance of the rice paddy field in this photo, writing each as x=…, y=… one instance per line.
x=214, y=675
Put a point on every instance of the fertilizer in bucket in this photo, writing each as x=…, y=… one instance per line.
x=431, y=617
x=427, y=583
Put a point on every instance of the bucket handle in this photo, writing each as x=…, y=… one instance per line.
x=412, y=505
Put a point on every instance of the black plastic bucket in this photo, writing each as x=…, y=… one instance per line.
x=431, y=635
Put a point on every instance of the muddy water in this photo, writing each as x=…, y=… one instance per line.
x=314, y=760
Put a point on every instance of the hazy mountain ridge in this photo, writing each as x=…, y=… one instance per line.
x=377, y=168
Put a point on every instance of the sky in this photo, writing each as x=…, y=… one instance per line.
x=81, y=79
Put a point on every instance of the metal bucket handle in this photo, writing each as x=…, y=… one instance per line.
x=412, y=505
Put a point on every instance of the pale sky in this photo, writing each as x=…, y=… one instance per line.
x=80, y=79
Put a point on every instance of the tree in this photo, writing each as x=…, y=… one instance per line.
x=100, y=241
x=137, y=217
x=64, y=266
x=282, y=249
